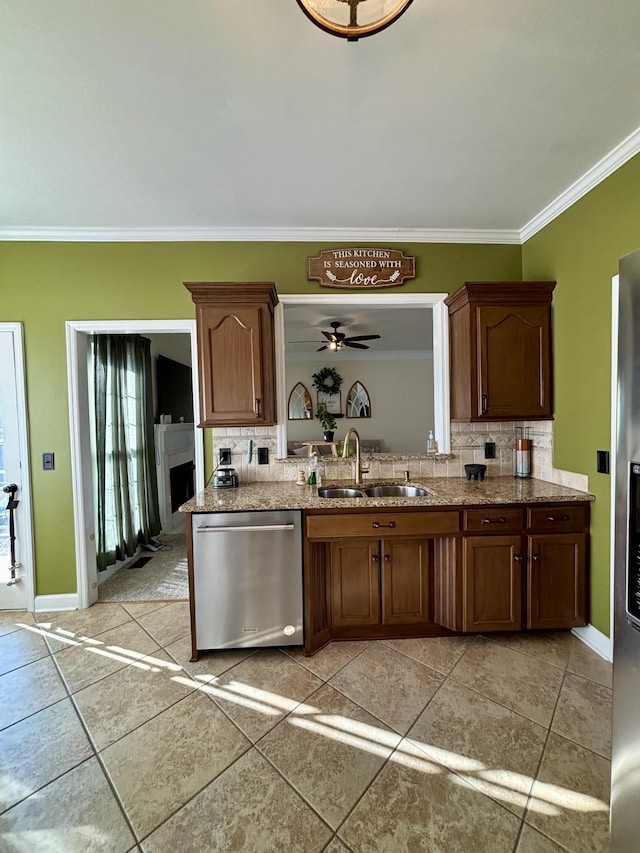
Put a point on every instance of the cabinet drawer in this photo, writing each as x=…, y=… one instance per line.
x=382, y=524
x=493, y=520
x=558, y=517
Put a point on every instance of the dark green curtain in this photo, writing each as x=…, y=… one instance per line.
x=126, y=487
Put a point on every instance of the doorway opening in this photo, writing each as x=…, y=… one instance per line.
x=178, y=445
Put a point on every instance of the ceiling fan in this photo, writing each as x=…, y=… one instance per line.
x=338, y=340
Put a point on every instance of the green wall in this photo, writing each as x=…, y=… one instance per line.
x=45, y=284
x=580, y=250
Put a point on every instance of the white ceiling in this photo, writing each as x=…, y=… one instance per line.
x=220, y=114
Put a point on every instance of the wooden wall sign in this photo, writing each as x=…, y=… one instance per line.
x=361, y=268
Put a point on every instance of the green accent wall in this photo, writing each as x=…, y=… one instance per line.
x=580, y=250
x=45, y=284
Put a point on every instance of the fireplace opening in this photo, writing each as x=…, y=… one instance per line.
x=181, y=484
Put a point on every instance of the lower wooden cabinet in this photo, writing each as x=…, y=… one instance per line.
x=556, y=580
x=378, y=582
x=492, y=583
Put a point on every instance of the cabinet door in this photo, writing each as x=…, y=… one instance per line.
x=492, y=583
x=406, y=594
x=231, y=368
x=556, y=594
x=354, y=582
x=514, y=361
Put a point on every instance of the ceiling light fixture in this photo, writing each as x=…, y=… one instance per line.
x=353, y=19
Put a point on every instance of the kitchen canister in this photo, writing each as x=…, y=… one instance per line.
x=523, y=452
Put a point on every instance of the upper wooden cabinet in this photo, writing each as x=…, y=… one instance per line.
x=500, y=351
x=236, y=363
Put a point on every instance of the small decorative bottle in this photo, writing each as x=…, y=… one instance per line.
x=430, y=442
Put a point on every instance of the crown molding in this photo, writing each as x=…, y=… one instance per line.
x=273, y=235
x=627, y=149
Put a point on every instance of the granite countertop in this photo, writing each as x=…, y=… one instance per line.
x=444, y=491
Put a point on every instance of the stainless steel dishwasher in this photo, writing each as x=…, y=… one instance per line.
x=247, y=579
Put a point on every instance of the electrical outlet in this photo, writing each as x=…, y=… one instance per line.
x=48, y=462
x=489, y=450
x=263, y=456
x=225, y=455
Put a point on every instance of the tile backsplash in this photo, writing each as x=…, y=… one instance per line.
x=467, y=446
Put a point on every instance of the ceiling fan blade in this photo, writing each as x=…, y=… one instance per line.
x=329, y=335
x=321, y=348
x=304, y=342
x=363, y=337
x=348, y=343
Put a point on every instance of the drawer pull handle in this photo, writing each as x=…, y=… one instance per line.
x=517, y=558
x=557, y=518
x=257, y=407
x=376, y=524
x=387, y=558
x=500, y=520
x=484, y=404
x=375, y=558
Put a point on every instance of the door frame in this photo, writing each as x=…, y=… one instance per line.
x=76, y=332
x=24, y=495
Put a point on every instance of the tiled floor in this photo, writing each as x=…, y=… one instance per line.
x=110, y=740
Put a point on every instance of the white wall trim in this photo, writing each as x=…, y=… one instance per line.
x=186, y=234
x=74, y=328
x=627, y=149
x=64, y=601
x=26, y=537
x=435, y=301
x=613, y=455
x=596, y=640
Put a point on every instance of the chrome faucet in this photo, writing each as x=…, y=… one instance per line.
x=359, y=470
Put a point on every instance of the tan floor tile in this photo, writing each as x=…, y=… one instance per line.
x=414, y=804
x=553, y=647
x=526, y=685
x=88, y=662
x=74, y=624
x=330, y=757
x=391, y=686
x=328, y=661
x=531, y=841
x=570, y=798
x=119, y=703
x=19, y=648
x=440, y=653
x=29, y=689
x=11, y=620
x=162, y=764
x=168, y=624
x=587, y=663
x=76, y=814
x=249, y=807
x=140, y=608
x=39, y=749
x=261, y=691
x=584, y=714
x=209, y=664
x=493, y=748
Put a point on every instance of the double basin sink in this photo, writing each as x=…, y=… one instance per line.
x=386, y=491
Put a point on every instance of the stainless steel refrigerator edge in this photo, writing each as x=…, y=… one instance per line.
x=625, y=764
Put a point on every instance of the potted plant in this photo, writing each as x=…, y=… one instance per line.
x=327, y=421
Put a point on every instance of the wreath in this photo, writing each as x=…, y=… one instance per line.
x=327, y=380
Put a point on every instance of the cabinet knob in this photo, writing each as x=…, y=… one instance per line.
x=500, y=520
x=557, y=518
x=387, y=558
x=376, y=524
x=535, y=557
x=375, y=558
x=517, y=558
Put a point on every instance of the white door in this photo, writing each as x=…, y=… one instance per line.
x=16, y=549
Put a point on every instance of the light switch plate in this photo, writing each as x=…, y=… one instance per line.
x=48, y=461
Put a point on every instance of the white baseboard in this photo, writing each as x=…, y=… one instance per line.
x=66, y=601
x=596, y=640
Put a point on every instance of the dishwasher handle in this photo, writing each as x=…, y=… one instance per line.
x=252, y=528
